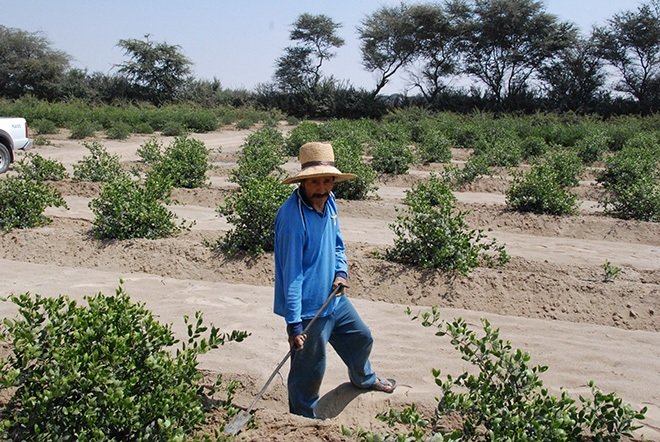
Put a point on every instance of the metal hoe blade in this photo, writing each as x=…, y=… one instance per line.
x=242, y=418
x=239, y=421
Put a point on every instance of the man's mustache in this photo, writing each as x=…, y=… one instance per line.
x=321, y=195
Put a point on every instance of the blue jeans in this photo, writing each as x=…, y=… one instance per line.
x=351, y=339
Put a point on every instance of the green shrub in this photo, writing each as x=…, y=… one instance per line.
x=592, y=147
x=151, y=151
x=645, y=141
x=475, y=166
x=126, y=210
x=100, y=165
x=262, y=154
x=43, y=126
x=40, y=140
x=305, y=132
x=82, y=129
x=103, y=371
x=433, y=146
x=620, y=131
x=629, y=165
x=357, y=131
x=173, y=129
x=396, y=132
x=504, y=399
x=271, y=122
x=540, y=191
x=566, y=165
x=391, y=157
x=37, y=168
x=632, y=181
x=431, y=233
x=143, y=128
x=407, y=115
x=564, y=134
x=246, y=123
x=201, y=121
x=610, y=271
x=23, y=201
x=349, y=159
x=252, y=210
x=533, y=146
x=119, y=130
x=184, y=163
x=465, y=135
x=639, y=200
x=226, y=118
x=505, y=151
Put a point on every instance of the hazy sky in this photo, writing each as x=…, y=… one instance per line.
x=235, y=41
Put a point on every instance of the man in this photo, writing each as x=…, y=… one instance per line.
x=310, y=262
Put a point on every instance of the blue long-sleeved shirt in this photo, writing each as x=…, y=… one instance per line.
x=309, y=252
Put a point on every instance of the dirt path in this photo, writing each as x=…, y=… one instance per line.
x=617, y=360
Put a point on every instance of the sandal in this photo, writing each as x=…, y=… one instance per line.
x=384, y=385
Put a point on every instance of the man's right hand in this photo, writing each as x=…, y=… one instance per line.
x=297, y=342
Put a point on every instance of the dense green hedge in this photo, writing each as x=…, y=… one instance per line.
x=137, y=118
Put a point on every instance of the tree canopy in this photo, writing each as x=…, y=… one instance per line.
x=507, y=41
x=388, y=42
x=574, y=79
x=438, y=53
x=630, y=42
x=29, y=65
x=157, y=71
x=299, y=69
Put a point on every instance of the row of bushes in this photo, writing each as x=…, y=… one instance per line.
x=505, y=141
x=631, y=176
x=126, y=207
x=526, y=135
x=84, y=119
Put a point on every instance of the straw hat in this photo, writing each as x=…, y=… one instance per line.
x=318, y=159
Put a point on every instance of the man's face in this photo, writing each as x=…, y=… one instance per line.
x=317, y=189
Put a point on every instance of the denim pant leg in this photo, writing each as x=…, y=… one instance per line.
x=308, y=367
x=352, y=340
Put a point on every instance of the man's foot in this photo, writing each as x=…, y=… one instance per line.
x=384, y=385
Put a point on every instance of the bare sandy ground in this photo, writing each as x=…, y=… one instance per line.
x=550, y=300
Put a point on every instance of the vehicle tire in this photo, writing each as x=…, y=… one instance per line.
x=5, y=158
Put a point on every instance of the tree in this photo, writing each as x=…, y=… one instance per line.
x=293, y=70
x=299, y=69
x=630, y=42
x=438, y=51
x=29, y=65
x=574, y=78
x=507, y=41
x=388, y=42
x=157, y=71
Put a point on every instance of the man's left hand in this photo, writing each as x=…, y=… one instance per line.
x=339, y=280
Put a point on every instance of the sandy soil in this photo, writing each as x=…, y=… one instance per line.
x=550, y=300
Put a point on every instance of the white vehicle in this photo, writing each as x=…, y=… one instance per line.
x=14, y=134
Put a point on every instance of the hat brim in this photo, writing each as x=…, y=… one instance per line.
x=319, y=172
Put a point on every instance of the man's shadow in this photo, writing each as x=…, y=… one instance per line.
x=335, y=401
